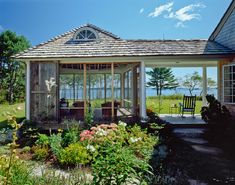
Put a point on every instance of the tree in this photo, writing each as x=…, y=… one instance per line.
x=12, y=74
x=161, y=78
x=192, y=81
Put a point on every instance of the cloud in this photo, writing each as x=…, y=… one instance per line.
x=1, y=28
x=161, y=9
x=184, y=14
x=141, y=10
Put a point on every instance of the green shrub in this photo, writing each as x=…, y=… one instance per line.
x=70, y=136
x=55, y=142
x=43, y=139
x=116, y=164
x=215, y=113
x=40, y=152
x=74, y=154
x=26, y=149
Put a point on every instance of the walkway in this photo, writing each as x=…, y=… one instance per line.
x=198, y=160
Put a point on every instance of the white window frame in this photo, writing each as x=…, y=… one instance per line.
x=84, y=40
x=233, y=83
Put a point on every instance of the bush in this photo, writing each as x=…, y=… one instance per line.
x=55, y=141
x=74, y=154
x=215, y=113
x=43, y=139
x=116, y=164
x=26, y=149
x=70, y=136
x=40, y=152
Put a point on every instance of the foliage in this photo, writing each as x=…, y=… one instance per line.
x=11, y=71
x=70, y=136
x=89, y=118
x=55, y=141
x=116, y=164
x=74, y=154
x=26, y=149
x=43, y=140
x=215, y=113
x=40, y=152
x=192, y=81
x=161, y=78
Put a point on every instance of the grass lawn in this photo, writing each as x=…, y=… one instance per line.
x=153, y=103
x=10, y=108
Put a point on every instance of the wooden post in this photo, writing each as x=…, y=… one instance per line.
x=143, y=115
x=204, y=84
x=105, y=95
x=134, y=90
x=112, y=87
x=122, y=88
x=74, y=88
x=84, y=88
x=27, y=107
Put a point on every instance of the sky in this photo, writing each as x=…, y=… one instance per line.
x=40, y=20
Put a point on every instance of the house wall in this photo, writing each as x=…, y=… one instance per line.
x=226, y=35
x=231, y=107
x=43, y=102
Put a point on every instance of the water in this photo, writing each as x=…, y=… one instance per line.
x=96, y=93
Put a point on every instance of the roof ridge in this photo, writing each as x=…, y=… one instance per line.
x=48, y=41
x=102, y=30
x=150, y=40
x=65, y=34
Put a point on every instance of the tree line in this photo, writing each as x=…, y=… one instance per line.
x=12, y=72
x=163, y=78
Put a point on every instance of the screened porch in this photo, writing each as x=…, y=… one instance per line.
x=106, y=92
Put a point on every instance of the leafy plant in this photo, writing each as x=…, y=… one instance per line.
x=89, y=118
x=43, y=139
x=117, y=165
x=26, y=149
x=74, y=154
x=55, y=141
x=40, y=152
x=215, y=113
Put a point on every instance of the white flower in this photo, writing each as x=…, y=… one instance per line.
x=50, y=84
x=121, y=123
x=101, y=132
x=133, y=140
x=91, y=148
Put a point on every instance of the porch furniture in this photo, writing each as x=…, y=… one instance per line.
x=174, y=108
x=107, y=110
x=188, y=105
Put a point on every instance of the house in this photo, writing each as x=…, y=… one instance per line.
x=72, y=60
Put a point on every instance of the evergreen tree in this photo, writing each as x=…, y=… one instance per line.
x=161, y=78
x=12, y=74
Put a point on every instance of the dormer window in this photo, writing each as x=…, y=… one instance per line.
x=85, y=34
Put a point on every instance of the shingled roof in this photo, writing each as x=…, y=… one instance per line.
x=63, y=46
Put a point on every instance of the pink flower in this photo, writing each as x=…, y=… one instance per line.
x=86, y=135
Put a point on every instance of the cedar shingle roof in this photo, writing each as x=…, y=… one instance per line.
x=63, y=46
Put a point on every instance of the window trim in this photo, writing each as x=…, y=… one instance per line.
x=85, y=39
x=223, y=87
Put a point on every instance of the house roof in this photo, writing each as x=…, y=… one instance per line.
x=63, y=46
x=222, y=21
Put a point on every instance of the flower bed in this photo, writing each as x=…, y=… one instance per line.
x=116, y=153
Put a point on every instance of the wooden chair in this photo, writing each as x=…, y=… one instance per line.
x=188, y=105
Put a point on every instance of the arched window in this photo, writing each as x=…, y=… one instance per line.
x=85, y=34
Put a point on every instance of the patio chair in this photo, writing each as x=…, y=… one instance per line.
x=188, y=105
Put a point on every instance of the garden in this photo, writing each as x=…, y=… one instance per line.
x=114, y=153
